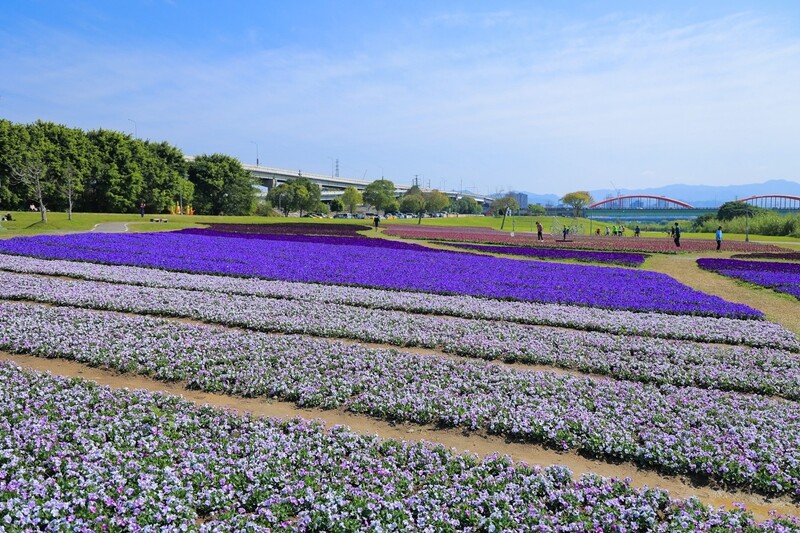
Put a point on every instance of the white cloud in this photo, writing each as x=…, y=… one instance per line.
x=578, y=101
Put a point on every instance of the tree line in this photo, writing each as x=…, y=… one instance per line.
x=54, y=167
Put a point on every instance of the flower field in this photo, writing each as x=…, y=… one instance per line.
x=365, y=262
x=590, y=242
x=133, y=461
x=776, y=275
x=615, y=258
x=652, y=374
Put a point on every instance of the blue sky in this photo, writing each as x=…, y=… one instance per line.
x=546, y=97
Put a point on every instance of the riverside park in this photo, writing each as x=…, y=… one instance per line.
x=295, y=374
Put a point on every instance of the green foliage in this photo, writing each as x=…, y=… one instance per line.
x=504, y=204
x=221, y=186
x=536, y=210
x=731, y=210
x=96, y=171
x=351, y=199
x=436, y=201
x=467, y=206
x=577, y=200
x=336, y=205
x=298, y=194
x=412, y=203
x=380, y=195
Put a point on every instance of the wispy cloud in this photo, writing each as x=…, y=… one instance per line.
x=620, y=95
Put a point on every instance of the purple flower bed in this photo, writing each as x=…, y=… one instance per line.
x=625, y=357
x=79, y=457
x=617, y=258
x=785, y=256
x=778, y=276
x=293, y=228
x=758, y=333
x=327, y=260
x=735, y=439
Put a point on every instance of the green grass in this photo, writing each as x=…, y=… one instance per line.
x=29, y=223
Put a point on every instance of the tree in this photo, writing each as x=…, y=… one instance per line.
x=282, y=196
x=336, y=205
x=730, y=210
x=467, y=205
x=436, y=201
x=351, y=199
x=298, y=194
x=31, y=175
x=577, y=200
x=380, y=194
x=412, y=203
x=505, y=204
x=221, y=185
x=536, y=209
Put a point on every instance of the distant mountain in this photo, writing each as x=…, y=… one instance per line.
x=696, y=195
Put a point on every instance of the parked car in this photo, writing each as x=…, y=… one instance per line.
x=342, y=215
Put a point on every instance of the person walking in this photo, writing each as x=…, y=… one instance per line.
x=718, y=236
x=677, y=235
x=376, y=221
x=539, y=229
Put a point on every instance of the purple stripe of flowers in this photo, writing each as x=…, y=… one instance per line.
x=618, y=258
x=78, y=457
x=623, y=357
x=740, y=440
x=782, y=277
x=686, y=327
x=322, y=261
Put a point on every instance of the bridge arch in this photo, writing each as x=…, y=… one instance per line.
x=640, y=201
x=773, y=201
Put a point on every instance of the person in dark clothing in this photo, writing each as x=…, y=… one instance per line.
x=376, y=221
x=677, y=235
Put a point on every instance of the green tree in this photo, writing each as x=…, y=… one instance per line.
x=577, y=200
x=436, y=201
x=466, y=205
x=221, y=186
x=536, y=210
x=282, y=196
x=380, y=194
x=412, y=203
x=336, y=205
x=505, y=204
x=351, y=199
x=730, y=210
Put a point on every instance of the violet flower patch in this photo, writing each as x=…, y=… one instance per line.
x=735, y=439
x=327, y=260
x=80, y=457
x=588, y=256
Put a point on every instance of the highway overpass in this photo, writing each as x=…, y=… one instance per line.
x=333, y=186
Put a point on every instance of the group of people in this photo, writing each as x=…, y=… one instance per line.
x=6, y=218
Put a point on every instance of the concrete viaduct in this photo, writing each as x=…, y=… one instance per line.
x=333, y=186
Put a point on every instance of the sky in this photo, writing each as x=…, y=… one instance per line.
x=547, y=97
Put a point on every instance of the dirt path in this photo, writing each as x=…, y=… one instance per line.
x=479, y=444
x=782, y=309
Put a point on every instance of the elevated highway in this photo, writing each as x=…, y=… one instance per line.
x=333, y=186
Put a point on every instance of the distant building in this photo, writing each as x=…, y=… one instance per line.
x=521, y=198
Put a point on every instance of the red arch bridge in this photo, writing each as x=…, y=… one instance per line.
x=650, y=207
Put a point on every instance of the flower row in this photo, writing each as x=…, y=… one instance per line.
x=332, y=260
x=590, y=242
x=617, y=258
x=779, y=276
x=739, y=440
x=686, y=327
x=744, y=369
x=80, y=457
